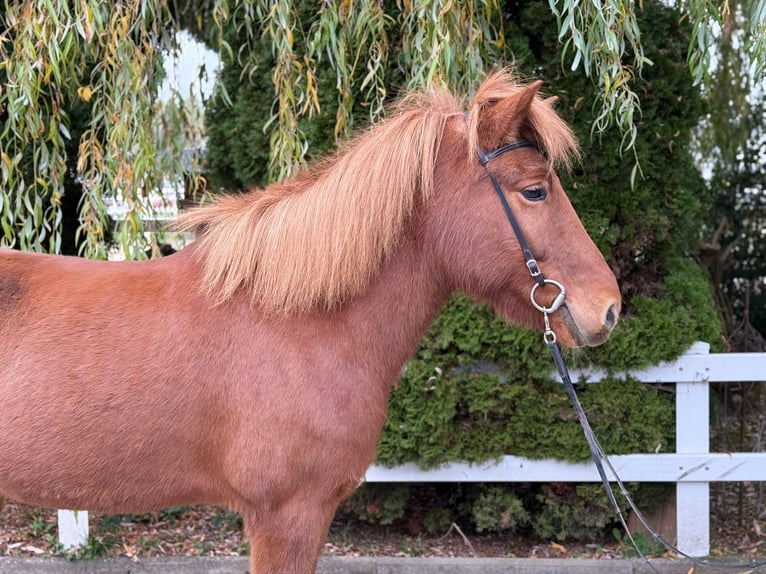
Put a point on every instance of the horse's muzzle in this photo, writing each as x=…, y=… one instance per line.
x=590, y=338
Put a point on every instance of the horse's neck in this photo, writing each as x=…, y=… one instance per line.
x=392, y=317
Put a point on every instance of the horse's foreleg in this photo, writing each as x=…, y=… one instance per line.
x=289, y=540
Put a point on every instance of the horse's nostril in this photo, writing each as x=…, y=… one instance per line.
x=611, y=317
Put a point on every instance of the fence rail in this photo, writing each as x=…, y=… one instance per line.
x=692, y=467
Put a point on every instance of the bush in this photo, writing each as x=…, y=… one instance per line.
x=381, y=504
x=557, y=511
x=464, y=399
x=573, y=512
x=498, y=509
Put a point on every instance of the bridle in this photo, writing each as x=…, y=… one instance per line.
x=599, y=457
x=531, y=262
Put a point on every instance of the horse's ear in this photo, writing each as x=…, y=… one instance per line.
x=551, y=101
x=504, y=119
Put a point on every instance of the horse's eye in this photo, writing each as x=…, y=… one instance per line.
x=534, y=193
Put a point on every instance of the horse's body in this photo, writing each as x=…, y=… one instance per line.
x=209, y=376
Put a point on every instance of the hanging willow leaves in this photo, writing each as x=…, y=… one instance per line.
x=294, y=83
x=601, y=34
x=756, y=40
x=35, y=125
x=450, y=43
x=105, y=56
x=101, y=54
x=353, y=37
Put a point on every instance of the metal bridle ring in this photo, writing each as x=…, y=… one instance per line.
x=557, y=302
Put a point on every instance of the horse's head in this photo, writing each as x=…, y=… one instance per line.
x=479, y=250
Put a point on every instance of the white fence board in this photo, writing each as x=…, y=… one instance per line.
x=662, y=467
x=692, y=368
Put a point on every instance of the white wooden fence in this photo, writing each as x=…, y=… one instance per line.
x=692, y=467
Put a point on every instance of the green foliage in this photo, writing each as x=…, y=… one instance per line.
x=437, y=519
x=355, y=42
x=498, y=510
x=40, y=527
x=559, y=511
x=96, y=547
x=239, y=114
x=573, y=512
x=228, y=520
x=78, y=122
x=601, y=35
x=566, y=511
x=449, y=46
x=424, y=422
x=383, y=504
x=659, y=215
x=480, y=389
x=660, y=328
x=108, y=54
x=648, y=547
x=236, y=116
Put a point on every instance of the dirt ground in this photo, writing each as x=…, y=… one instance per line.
x=31, y=531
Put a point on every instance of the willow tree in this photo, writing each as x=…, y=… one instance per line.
x=732, y=141
x=104, y=57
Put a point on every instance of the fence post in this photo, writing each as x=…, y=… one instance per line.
x=73, y=528
x=693, y=437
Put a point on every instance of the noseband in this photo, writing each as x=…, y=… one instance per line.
x=532, y=266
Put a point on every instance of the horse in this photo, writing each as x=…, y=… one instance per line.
x=252, y=369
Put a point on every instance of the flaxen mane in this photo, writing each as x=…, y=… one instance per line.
x=317, y=239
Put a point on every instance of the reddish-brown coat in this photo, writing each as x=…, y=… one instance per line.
x=126, y=387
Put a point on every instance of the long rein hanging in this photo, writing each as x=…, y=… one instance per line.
x=599, y=457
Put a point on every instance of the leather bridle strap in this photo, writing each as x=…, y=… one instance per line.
x=484, y=159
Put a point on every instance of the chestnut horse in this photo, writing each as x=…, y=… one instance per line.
x=252, y=369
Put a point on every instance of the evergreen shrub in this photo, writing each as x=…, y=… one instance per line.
x=498, y=510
